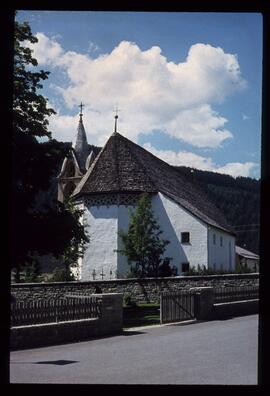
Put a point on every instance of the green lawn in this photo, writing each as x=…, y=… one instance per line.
x=141, y=315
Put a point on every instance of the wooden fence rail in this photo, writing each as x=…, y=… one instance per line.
x=235, y=293
x=177, y=306
x=59, y=310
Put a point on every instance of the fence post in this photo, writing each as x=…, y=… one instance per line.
x=204, y=302
x=160, y=308
x=111, y=318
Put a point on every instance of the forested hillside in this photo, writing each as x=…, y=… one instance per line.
x=239, y=200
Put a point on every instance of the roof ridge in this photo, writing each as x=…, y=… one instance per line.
x=117, y=134
x=143, y=149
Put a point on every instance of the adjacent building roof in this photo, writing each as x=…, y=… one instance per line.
x=123, y=166
x=246, y=253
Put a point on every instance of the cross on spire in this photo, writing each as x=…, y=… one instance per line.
x=81, y=108
x=116, y=117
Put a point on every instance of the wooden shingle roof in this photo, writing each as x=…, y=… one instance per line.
x=123, y=166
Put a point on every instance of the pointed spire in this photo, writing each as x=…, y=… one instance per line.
x=81, y=145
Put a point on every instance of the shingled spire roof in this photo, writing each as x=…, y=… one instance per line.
x=81, y=146
x=123, y=166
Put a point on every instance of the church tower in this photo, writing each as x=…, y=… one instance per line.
x=76, y=163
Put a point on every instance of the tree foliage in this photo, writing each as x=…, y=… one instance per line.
x=142, y=244
x=35, y=228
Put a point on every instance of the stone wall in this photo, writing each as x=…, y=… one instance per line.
x=207, y=309
x=110, y=322
x=234, y=308
x=141, y=290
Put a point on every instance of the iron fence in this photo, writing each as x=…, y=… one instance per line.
x=235, y=293
x=55, y=310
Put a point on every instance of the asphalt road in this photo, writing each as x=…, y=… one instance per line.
x=216, y=352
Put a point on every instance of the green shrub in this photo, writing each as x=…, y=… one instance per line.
x=61, y=275
x=202, y=270
x=128, y=301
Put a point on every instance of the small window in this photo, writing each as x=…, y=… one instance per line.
x=221, y=241
x=185, y=237
x=185, y=267
x=214, y=239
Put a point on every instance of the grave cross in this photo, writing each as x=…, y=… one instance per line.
x=102, y=274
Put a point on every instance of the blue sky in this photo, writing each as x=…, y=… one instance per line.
x=188, y=85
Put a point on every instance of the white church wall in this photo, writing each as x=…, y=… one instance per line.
x=123, y=222
x=221, y=249
x=101, y=223
x=104, y=222
x=174, y=220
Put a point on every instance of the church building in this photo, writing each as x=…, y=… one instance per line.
x=107, y=182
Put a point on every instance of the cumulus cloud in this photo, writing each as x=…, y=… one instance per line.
x=47, y=50
x=184, y=158
x=151, y=92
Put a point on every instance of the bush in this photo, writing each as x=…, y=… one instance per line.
x=202, y=270
x=128, y=301
x=61, y=275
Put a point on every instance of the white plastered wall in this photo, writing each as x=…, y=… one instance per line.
x=101, y=223
x=104, y=222
x=221, y=257
x=123, y=222
x=173, y=220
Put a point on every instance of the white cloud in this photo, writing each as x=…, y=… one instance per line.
x=47, y=50
x=151, y=92
x=199, y=126
x=237, y=168
x=184, y=158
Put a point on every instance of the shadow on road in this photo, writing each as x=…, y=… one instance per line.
x=58, y=362
x=131, y=332
x=55, y=362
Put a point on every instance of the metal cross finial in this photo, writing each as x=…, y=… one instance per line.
x=81, y=107
x=116, y=117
